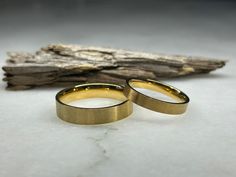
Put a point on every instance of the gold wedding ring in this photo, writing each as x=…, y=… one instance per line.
x=127, y=95
x=81, y=115
x=153, y=104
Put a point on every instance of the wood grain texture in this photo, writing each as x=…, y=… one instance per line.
x=67, y=65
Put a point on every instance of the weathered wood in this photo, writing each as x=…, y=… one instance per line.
x=71, y=64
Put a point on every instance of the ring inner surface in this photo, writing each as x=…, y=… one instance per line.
x=92, y=91
x=164, y=89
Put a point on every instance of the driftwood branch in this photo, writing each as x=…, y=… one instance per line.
x=72, y=64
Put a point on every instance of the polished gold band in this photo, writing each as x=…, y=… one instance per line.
x=81, y=115
x=154, y=104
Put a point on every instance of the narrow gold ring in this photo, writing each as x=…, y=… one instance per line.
x=153, y=104
x=89, y=116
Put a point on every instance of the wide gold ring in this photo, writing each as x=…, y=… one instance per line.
x=154, y=104
x=89, y=116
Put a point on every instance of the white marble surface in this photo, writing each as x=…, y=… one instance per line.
x=200, y=143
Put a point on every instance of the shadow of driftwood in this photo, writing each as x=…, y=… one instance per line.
x=198, y=76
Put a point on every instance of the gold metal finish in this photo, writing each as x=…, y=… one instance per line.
x=81, y=115
x=153, y=104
